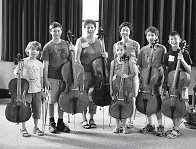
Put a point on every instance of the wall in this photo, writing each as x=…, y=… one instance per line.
x=6, y=73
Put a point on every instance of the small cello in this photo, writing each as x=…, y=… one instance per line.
x=74, y=99
x=174, y=106
x=101, y=93
x=121, y=107
x=146, y=101
x=17, y=109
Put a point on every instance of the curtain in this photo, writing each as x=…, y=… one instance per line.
x=166, y=15
x=27, y=20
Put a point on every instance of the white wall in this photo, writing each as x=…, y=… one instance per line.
x=6, y=73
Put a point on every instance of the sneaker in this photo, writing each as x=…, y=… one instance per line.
x=148, y=128
x=160, y=131
x=52, y=127
x=62, y=127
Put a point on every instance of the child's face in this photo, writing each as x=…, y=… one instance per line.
x=33, y=52
x=174, y=40
x=151, y=37
x=56, y=32
x=120, y=50
x=125, y=32
x=90, y=29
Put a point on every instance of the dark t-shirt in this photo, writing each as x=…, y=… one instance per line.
x=90, y=51
x=57, y=55
x=170, y=59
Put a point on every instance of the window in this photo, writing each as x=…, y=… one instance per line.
x=90, y=11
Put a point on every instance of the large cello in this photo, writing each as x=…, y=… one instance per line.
x=173, y=106
x=121, y=107
x=74, y=99
x=101, y=92
x=146, y=101
x=17, y=109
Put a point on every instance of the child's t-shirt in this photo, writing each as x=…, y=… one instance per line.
x=170, y=59
x=147, y=54
x=32, y=72
x=57, y=55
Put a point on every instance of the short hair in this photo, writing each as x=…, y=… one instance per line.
x=152, y=29
x=89, y=21
x=128, y=25
x=121, y=44
x=33, y=44
x=174, y=33
x=54, y=24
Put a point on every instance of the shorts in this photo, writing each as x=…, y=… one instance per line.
x=34, y=99
x=57, y=87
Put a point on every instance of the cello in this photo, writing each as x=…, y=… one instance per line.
x=173, y=106
x=74, y=99
x=121, y=107
x=101, y=93
x=17, y=109
x=146, y=101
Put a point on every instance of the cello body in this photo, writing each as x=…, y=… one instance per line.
x=122, y=107
x=17, y=110
x=174, y=106
x=101, y=88
x=74, y=99
x=101, y=92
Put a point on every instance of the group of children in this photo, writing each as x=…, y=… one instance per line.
x=56, y=52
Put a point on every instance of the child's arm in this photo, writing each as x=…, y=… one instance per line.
x=78, y=49
x=111, y=77
x=184, y=63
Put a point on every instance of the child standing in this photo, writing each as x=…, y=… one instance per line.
x=152, y=55
x=32, y=71
x=115, y=71
x=132, y=50
x=170, y=62
x=55, y=54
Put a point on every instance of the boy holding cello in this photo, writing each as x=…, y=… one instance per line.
x=150, y=61
x=32, y=71
x=172, y=57
x=55, y=54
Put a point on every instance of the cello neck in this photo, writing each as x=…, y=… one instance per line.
x=19, y=94
x=175, y=76
x=124, y=71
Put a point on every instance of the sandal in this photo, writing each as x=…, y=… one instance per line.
x=38, y=132
x=24, y=133
x=85, y=124
x=173, y=134
x=92, y=123
x=116, y=130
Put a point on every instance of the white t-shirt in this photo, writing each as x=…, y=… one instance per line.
x=32, y=72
